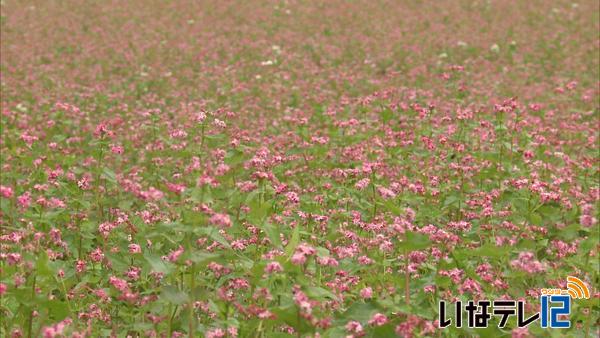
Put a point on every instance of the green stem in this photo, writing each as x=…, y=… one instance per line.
x=374, y=195
x=30, y=319
x=192, y=319
x=406, y=279
x=171, y=319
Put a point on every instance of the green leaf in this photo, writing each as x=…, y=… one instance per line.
x=451, y=200
x=57, y=310
x=293, y=242
x=587, y=245
x=361, y=312
x=258, y=212
x=443, y=281
x=490, y=250
x=156, y=263
x=138, y=326
x=386, y=115
x=535, y=219
x=109, y=175
x=117, y=261
x=319, y=293
x=173, y=295
x=272, y=233
x=41, y=265
x=214, y=234
x=414, y=241
x=384, y=331
x=289, y=315
x=203, y=258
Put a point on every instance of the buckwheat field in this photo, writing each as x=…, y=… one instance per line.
x=296, y=168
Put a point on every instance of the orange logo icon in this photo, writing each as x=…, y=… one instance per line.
x=577, y=289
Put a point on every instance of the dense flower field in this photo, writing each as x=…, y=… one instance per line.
x=294, y=168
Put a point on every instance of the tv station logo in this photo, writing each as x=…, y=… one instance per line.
x=555, y=308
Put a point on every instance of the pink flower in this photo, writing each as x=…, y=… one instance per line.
x=292, y=197
x=303, y=250
x=178, y=134
x=378, y=319
x=364, y=260
x=6, y=192
x=24, y=200
x=97, y=255
x=200, y=117
x=103, y=130
x=459, y=226
x=298, y=258
x=133, y=273
x=571, y=85
x=587, y=220
x=119, y=284
x=366, y=293
x=56, y=330
x=527, y=262
x=471, y=286
x=386, y=193
x=13, y=258
x=116, y=149
x=3, y=289
x=84, y=183
x=246, y=186
x=354, y=327
x=219, y=123
x=176, y=188
x=232, y=331
x=215, y=333
x=406, y=328
x=273, y=267
x=521, y=332
x=221, y=220
x=105, y=228
x=80, y=266
x=28, y=139
x=327, y=261
x=152, y=194
x=362, y=184
x=429, y=288
x=265, y=314
x=174, y=255
x=134, y=248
